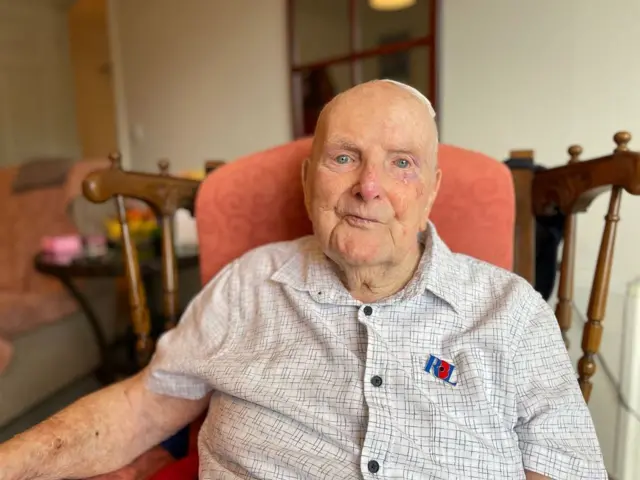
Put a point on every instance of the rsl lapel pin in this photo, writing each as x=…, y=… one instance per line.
x=441, y=369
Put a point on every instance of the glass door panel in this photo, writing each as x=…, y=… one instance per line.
x=321, y=30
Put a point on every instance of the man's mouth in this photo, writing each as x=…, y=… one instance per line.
x=358, y=221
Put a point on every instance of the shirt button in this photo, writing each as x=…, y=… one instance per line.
x=368, y=310
x=376, y=381
x=373, y=466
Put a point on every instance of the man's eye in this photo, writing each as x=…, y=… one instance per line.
x=403, y=163
x=342, y=159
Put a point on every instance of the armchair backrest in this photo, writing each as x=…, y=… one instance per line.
x=258, y=199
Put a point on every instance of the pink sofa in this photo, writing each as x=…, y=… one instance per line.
x=31, y=302
x=258, y=199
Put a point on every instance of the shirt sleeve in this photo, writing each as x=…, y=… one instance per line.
x=180, y=366
x=555, y=431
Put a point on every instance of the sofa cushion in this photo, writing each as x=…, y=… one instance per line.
x=41, y=173
x=22, y=312
x=41, y=213
x=6, y=352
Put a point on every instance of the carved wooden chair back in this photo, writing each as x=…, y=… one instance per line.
x=211, y=165
x=165, y=195
x=570, y=190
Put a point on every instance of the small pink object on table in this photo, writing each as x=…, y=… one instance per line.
x=62, y=245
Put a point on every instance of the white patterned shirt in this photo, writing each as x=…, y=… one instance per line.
x=461, y=375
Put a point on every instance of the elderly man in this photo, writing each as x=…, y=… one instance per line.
x=368, y=350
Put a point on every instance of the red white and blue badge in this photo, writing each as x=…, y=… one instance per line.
x=442, y=370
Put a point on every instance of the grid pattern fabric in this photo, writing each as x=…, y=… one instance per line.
x=462, y=374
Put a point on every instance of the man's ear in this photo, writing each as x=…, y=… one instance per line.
x=305, y=171
x=436, y=187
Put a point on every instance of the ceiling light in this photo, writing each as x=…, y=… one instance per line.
x=389, y=5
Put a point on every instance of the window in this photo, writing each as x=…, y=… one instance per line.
x=335, y=44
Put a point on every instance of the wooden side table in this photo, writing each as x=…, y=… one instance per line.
x=69, y=270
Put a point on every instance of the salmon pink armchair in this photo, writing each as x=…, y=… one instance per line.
x=258, y=199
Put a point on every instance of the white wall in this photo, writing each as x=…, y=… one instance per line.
x=545, y=74
x=201, y=79
x=37, y=115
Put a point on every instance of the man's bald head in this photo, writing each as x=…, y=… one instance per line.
x=373, y=178
x=389, y=94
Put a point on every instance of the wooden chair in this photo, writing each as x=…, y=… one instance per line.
x=570, y=190
x=165, y=195
x=226, y=230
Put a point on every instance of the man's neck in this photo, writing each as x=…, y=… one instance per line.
x=372, y=283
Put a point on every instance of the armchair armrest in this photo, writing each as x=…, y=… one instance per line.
x=144, y=467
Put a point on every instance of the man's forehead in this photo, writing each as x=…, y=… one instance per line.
x=379, y=103
x=349, y=126
x=377, y=112
x=393, y=139
x=355, y=106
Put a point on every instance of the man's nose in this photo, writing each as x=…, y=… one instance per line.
x=368, y=186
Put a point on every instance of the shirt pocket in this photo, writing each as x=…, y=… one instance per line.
x=462, y=417
x=444, y=384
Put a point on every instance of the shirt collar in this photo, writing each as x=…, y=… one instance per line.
x=312, y=271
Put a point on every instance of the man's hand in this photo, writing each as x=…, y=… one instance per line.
x=98, y=434
x=535, y=476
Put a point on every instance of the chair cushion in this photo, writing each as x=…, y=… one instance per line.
x=252, y=201
x=475, y=208
x=184, y=469
x=143, y=467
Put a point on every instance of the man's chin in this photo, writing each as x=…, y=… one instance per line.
x=358, y=254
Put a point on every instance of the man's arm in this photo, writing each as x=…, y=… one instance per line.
x=555, y=431
x=535, y=476
x=97, y=434
x=108, y=429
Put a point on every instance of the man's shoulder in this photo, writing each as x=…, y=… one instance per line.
x=473, y=268
x=495, y=298
x=477, y=278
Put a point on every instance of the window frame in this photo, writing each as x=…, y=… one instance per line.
x=355, y=54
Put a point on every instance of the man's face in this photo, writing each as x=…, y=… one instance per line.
x=371, y=182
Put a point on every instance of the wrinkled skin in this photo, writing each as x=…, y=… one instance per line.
x=370, y=185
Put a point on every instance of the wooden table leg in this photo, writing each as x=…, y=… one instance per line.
x=105, y=372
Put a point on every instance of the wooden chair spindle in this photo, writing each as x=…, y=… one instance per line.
x=592, y=334
x=137, y=297
x=169, y=263
x=564, y=307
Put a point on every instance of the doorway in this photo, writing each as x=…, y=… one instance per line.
x=93, y=80
x=336, y=44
